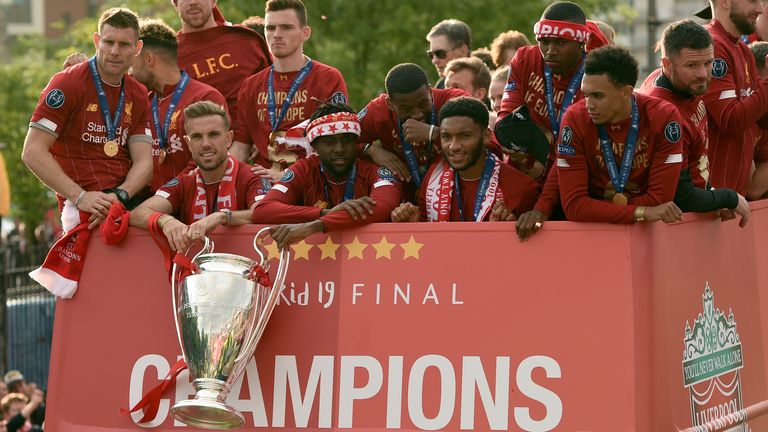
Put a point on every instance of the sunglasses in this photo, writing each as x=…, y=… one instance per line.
x=440, y=54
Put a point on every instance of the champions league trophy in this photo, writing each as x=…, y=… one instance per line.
x=221, y=310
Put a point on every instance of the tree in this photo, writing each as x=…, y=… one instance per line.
x=362, y=38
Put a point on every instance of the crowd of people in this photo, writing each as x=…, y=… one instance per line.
x=219, y=124
x=22, y=404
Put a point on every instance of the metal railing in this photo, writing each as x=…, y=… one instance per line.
x=26, y=314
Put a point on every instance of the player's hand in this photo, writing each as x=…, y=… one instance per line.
x=96, y=203
x=742, y=209
x=501, y=213
x=406, y=212
x=415, y=131
x=73, y=59
x=177, y=234
x=667, y=212
x=359, y=208
x=273, y=176
x=388, y=160
x=288, y=234
x=529, y=223
x=199, y=229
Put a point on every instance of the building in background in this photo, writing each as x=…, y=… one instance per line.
x=44, y=17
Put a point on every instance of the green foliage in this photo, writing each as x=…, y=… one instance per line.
x=362, y=38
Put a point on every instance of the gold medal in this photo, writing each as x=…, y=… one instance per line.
x=620, y=199
x=110, y=148
x=162, y=155
x=272, y=137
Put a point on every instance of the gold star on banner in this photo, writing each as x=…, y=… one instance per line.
x=273, y=251
x=383, y=248
x=411, y=248
x=301, y=250
x=328, y=249
x=355, y=249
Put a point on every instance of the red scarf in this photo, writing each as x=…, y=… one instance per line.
x=440, y=188
x=227, y=196
x=61, y=270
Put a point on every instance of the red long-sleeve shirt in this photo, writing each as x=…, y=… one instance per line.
x=737, y=98
x=586, y=187
x=525, y=86
x=300, y=195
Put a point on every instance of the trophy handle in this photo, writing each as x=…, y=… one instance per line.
x=207, y=248
x=260, y=321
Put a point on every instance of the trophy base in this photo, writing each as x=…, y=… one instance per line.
x=207, y=414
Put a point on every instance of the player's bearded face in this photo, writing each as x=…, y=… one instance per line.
x=115, y=51
x=462, y=142
x=195, y=13
x=208, y=140
x=605, y=102
x=744, y=15
x=690, y=71
x=337, y=153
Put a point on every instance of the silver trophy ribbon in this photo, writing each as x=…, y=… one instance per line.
x=221, y=311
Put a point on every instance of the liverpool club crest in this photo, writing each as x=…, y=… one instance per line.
x=712, y=360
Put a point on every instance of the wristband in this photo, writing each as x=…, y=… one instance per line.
x=162, y=220
x=639, y=214
x=431, y=129
x=79, y=198
x=366, y=148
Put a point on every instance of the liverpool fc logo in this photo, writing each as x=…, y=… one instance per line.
x=711, y=363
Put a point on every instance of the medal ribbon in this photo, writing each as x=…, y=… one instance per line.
x=349, y=191
x=482, y=188
x=619, y=179
x=274, y=119
x=416, y=170
x=162, y=132
x=110, y=122
x=573, y=87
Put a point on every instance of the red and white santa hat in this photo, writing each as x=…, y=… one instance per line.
x=333, y=124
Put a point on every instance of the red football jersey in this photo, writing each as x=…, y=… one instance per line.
x=586, y=187
x=695, y=121
x=520, y=193
x=322, y=83
x=736, y=99
x=177, y=153
x=525, y=85
x=182, y=191
x=300, y=195
x=379, y=123
x=69, y=109
x=223, y=57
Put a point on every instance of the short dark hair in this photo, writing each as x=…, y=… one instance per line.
x=119, y=17
x=565, y=11
x=457, y=32
x=159, y=36
x=296, y=5
x=684, y=34
x=465, y=106
x=759, y=50
x=405, y=78
x=615, y=61
x=331, y=108
x=481, y=75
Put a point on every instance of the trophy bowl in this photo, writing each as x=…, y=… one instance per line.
x=221, y=307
